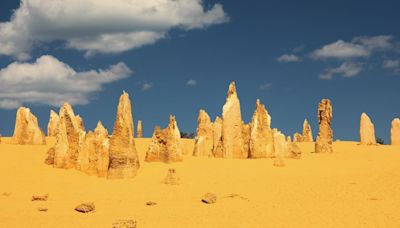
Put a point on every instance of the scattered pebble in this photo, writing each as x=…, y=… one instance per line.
x=151, y=203
x=85, y=207
x=6, y=194
x=42, y=209
x=125, y=223
x=209, y=198
x=40, y=197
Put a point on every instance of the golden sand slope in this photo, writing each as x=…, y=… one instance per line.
x=357, y=186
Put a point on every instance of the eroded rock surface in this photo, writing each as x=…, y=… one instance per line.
x=324, y=140
x=52, y=127
x=27, y=130
x=124, y=161
x=395, y=132
x=204, y=140
x=367, y=130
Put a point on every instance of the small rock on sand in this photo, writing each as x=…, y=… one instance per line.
x=42, y=209
x=126, y=223
x=40, y=197
x=85, y=207
x=209, y=198
x=151, y=203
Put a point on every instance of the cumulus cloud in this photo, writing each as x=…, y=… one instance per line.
x=191, y=82
x=361, y=46
x=342, y=50
x=106, y=26
x=49, y=81
x=286, y=58
x=346, y=70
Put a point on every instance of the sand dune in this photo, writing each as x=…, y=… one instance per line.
x=357, y=186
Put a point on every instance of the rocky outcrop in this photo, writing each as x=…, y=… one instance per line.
x=52, y=127
x=124, y=161
x=280, y=148
x=139, y=131
x=232, y=139
x=79, y=120
x=217, y=138
x=297, y=137
x=367, y=131
x=324, y=140
x=69, y=139
x=261, y=136
x=204, y=140
x=165, y=145
x=293, y=150
x=307, y=132
x=27, y=130
x=93, y=156
x=395, y=132
x=246, y=133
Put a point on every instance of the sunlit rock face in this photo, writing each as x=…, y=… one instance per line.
x=139, y=131
x=27, y=130
x=217, y=138
x=367, y=130
x=261, y=137
x=324, y=140
x=124, y=161
x=69, y=138
x=165, y=145
x=93, y=156
x=307, y=132
x=395, y=132
x=232, y=139
x=52, y=127
x=204, y=140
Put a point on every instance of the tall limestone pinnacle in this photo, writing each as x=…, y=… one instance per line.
x=204, y=140
x=69, y=139
x=324, y=140
x=165, y=145
x=261, y=136
x=232, y=139
x=395, y=132
x=139, y=131
x=124, y=161
x=367, y=130
x=52, y=127
x=307, y=132
x=27, y=130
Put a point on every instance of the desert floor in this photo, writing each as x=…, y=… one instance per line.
x=357, y=186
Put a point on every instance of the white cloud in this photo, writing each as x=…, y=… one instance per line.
x=147, y=86
x=49, y=81
x=341, y=50
x=286, y=58
x=382, y=42
x=106, y=26
x=265, y=86
x=191, y=82
x=391, y=64
x=346, y=69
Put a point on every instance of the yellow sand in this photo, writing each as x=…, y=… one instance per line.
x=357, y=186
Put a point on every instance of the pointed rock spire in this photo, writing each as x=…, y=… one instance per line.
x=52, y=127
x=367, y=130
x=232, y=139
x=203, y=145
x=395, y=132
x=323, y=144
x=124, y=161
x=261, y=137
x=165, y=145
x=139, y=129
x=27, y=130
x=217, y=138
x=307, y=132
x=69, y=139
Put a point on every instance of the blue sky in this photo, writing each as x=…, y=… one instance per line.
x=176, y=59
